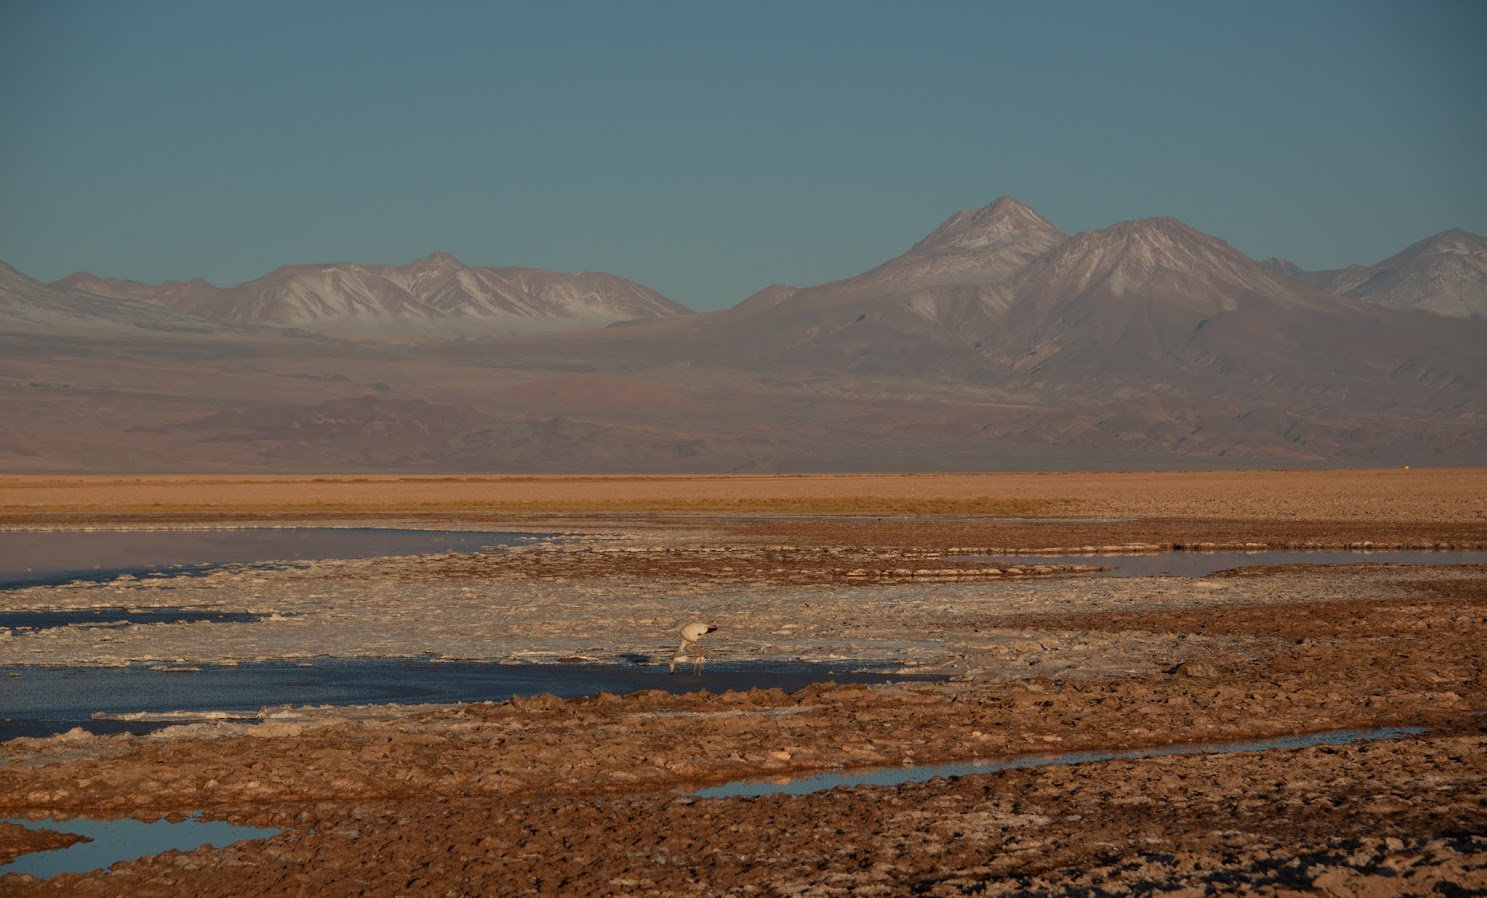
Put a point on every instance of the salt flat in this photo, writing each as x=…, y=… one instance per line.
x=439, y=798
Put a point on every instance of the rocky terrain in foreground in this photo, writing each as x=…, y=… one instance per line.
x=590, y=796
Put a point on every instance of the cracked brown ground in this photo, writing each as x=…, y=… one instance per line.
x=588, y=797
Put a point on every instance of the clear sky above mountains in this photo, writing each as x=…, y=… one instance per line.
x=707, y=150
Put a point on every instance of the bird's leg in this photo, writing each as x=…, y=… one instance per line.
x=697, y=659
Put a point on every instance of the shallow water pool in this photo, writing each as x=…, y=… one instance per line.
x=895, y=776
x=44, y=557
x=38, y=701
x=114, y=617
x=122, y=840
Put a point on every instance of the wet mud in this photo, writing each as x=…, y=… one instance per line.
x=591, y=795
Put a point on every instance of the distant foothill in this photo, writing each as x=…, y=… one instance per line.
x=997, y=342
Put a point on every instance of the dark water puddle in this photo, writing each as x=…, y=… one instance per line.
x=895, y=776
x=1201, y=564
x=49, y=557
x=117, y=617
x=891, y=776
x=122, y=840
x=46, y=701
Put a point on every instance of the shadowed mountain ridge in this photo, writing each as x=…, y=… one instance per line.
x=1446, y=274
x=995, y=342
x=432, y=296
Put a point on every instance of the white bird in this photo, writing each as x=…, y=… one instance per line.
x=691, y=633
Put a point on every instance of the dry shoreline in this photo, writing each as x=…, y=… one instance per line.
x=1439, y=496
x=543, y=796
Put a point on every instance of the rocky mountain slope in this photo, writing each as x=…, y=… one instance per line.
x=954, y=285
x=974, y=246
x=27, y=305
x=434, y=296
x=996, y=342
x=999, y=297
x=1148, y=336
x=1445, y=273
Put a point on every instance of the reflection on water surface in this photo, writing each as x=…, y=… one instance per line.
x=122, y=840
x=116, y=617
x=895, y=776
x=43, y=701
x=40, y=557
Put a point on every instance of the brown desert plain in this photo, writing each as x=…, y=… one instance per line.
x=595, y=796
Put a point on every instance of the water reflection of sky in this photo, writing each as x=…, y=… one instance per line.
x=122, y=840
x=895, y=776
x=33, y=557
x=109, y=617
x=38, y=701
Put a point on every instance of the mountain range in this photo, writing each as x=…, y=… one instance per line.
x=434, y=296
x=996, y=342
x=1445, y=273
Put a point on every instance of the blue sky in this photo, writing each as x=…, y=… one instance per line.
x=710, y=149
